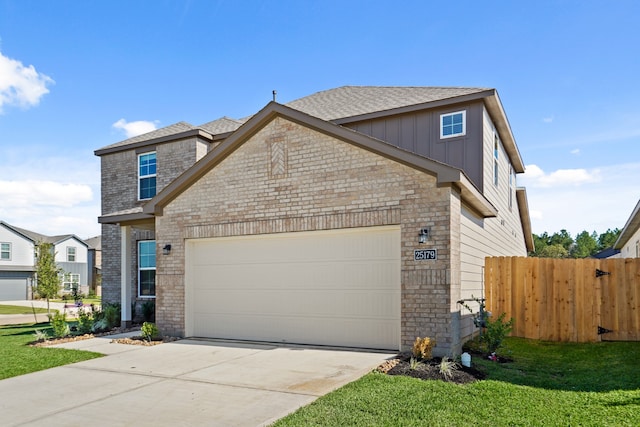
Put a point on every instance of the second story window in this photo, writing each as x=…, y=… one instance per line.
x=453, y=124
x=71, y=254
x=5, y=251
x=146, y=176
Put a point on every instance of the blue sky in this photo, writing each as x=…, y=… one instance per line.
x=77, y=75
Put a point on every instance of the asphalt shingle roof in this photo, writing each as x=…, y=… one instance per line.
x=349, y=101
x=332, y=104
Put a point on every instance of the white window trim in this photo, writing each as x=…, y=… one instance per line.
x=75, y=253
x=140, y=177
x=6, y=259
x=464, y=124
x=69, y=278
x=145, y=269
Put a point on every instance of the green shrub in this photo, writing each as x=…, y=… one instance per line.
x=85, y=320
x=496, y=331
x=149, y=311
x=111, y=315
x=149, y=331
x=59, y=324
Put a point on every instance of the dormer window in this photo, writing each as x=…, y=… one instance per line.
x=453, y=124
x=146, y=176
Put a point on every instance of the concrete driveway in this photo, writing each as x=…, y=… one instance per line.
x=184, y=383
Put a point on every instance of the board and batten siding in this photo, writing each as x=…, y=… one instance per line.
x=420, y=134
x=500, y=236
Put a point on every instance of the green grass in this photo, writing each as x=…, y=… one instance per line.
x=548, y=384
x=19, y=358
x=16, y=309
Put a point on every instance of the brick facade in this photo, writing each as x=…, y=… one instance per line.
x=288, y=177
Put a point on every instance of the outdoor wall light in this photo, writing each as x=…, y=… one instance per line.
x=166, y=249
x=424, y=235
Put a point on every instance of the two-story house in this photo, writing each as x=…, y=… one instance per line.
x=18, y=261
x=356, y=216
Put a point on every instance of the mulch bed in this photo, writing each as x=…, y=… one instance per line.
x=430, y=370
x=135, y=340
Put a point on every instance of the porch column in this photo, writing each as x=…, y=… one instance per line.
x=125, y=275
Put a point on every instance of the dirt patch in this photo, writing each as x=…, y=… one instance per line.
x=431, y=370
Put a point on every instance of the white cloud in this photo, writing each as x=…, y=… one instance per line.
x=31, y=192
x=19, y=85
x=50, y=194
x=136, y=128
x=536, y=177
x=575, y=152
x=595, y=205
x=547, y=119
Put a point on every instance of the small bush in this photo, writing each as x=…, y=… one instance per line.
x=447, y=368
x=414, y=363
x=422, y=348
x=149, y=331
x=496, y=331
x=111, y=315
x=85, y=320
x=59, y=324
x=148, y=311
x=40, y=335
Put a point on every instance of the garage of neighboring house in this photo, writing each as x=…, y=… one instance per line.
x=14, y=286
x=333, y=287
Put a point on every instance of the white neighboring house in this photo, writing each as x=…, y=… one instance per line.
x=18, y=261
x=628, y=242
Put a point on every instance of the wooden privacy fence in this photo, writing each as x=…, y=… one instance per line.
x=579, y=300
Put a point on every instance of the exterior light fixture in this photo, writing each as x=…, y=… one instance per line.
x=166, y=249
x=424, y=235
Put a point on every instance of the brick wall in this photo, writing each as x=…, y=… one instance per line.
x=119, y=192
x=290, y=178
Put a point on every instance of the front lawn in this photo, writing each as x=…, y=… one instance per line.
x=547, y=384
x=19, y=358
x=17, y=309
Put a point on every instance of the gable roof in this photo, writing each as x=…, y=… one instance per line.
x=630, y=228
x=444, y=174
x=349, y=102
x=37, y=237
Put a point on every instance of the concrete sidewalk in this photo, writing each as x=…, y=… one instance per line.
x=17, y=319
x=183, y=383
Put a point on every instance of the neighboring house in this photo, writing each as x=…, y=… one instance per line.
x=628, y=242
x=94, y=261
x=356, y=216
x=18, y=261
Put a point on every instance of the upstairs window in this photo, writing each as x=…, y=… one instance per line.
x=453, y=124
x=71, y=254
x=146, y=176
x=147, y=268
x=5, y=251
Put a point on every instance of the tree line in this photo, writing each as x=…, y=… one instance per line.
x=562, y=245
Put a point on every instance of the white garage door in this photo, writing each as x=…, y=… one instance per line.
x=339, y=287
x=12, y=289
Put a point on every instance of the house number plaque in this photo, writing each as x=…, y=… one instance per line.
x=425, y=254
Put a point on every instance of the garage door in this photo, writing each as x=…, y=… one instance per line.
x=339, y=287
x=13, y=289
